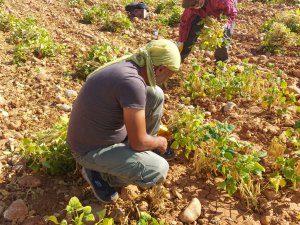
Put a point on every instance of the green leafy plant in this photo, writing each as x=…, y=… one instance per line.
x=6, y=21
x=278, y=38
x=79, y=215
x=95, y=14
x=2, y=2
x=97, y=56
x=212, y=34
x=147, y=219
x=117, y=23
x=48, y=150
x=174, y=18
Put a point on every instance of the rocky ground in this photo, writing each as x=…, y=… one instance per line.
x=33, y=96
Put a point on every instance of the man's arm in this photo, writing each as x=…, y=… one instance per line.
x=139, y=140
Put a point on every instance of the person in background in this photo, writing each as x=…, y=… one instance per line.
x=115, y=119
x=190, y=24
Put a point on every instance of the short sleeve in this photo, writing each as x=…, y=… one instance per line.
x=131, y=93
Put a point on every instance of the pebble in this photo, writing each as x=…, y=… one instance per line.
x=66, y=108
x=17, y=211
x=42, y=75
x=229, y=106
x=70, y=93
x=191, y=212
x=296, y=73
x=2, y=100
x=212, y=108
x=175, y=192
x=4, y=114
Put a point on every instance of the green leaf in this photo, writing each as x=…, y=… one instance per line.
x=297, y=125
x=108, y=221
x=75, y=203
x=89, y=217
x=175, y=145
x=101, y=214
x=53, y=219
x=64, y=222
x=87, y=209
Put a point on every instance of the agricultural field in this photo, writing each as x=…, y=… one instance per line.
x=235, y=126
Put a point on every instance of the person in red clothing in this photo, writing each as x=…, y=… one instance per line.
x=190, y=24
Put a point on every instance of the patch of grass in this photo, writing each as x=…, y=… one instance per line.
x=2, y=2
x=76, y=3
x=116, y=23
x=174, y=18
x=6, y=21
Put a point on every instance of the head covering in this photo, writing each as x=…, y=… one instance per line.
x=155, y=53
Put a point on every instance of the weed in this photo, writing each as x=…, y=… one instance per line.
x=48, y=149
x=117, y=23
x=97, y=56
x=77, y=214
x=147, y=219
x=5, y=21
x=174, y=18
x=2, y=2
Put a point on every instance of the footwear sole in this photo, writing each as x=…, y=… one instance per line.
x=113, y=199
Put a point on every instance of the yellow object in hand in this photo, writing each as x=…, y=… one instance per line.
x=164, y=132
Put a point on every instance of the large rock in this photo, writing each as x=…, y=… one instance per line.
x=191, y=212
x=17, y=211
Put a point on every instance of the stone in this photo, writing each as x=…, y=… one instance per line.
x=117, y=214
x=17, y=211
x=2, y=100
x=265, y=219
x=262, y=57
x=191, y=212
x=66, y=108
x=271, y=194
x=168, y=184
x=212, y=108
x=70, y=93
x=207, y=114
x=4, y=113
x=176, y=193
x=42, y=75
x=296, y=73
x=143, y=206
x=229, y=106
x=34, y=220
x=130, y=192
x=29, y=181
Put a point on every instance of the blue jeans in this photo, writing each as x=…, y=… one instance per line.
x=120, y=165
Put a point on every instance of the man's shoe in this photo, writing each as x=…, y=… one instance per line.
x=168, y=155
x=101, y=188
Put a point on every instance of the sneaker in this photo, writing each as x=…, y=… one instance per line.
x=168, y=155
x=101, y=188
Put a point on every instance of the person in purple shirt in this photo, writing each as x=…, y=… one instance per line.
x=190, y=24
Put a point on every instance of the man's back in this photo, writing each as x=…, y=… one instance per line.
x=97, y=116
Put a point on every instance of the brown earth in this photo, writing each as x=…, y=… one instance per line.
x=32, y=95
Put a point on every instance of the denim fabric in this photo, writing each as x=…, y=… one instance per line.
x=120, y=165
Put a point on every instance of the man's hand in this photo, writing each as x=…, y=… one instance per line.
x=163, y=144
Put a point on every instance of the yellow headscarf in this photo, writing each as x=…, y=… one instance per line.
x=155, y=53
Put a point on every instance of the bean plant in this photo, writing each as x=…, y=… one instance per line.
x=77, y=214
x=48, y=150
x=97, y=56
x=95, y=14
x=234, y=83
x=215, y=152
x=116, y=23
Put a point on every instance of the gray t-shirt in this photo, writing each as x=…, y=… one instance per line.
x=97, y=116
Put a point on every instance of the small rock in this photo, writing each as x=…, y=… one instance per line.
x=175, y=192
x=192, y=211
x=29, y=181
x=271, y=194
x=2, y=100
x=14, y=125
x=212, y=108
x=35, y=220
x=118, y=215
x=70, y=93
x=66, y=108
x=42, y=75
x=168, y=184
x=143, y=206
x=207, y=114
x=262, y=57
x=229, y=106
x=60, y=99
x=4, y=114
x=265, y=219
x=130, y=192
x=296, y=73
x=17, y=211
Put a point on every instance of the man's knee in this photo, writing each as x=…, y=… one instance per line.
x=156, y=94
